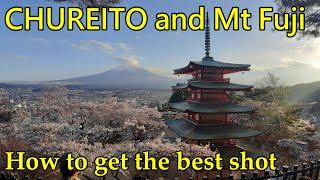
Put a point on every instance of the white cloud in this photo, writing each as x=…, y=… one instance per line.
x=260, y=68
x=109, y=48
x=16, y=57
x=161, y=72
x=294, y=61
x=309, y=52
x=106, y=47
x=93, y=45
x=305, y=51
x=39, y=40
x=125, y=47
x=291, y=72
x=19, y=57
x=128, y=60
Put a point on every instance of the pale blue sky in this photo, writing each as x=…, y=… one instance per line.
x=38, y=56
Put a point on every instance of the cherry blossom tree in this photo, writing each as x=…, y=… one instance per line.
x=53, y=105
x=107, y=127
x=5, y=112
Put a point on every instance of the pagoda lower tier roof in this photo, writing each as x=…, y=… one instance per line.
x=204, y=107
x=187, y=129
x=214, y=64
x=213, y=86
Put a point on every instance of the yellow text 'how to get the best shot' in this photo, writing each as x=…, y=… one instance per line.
x=143, y=161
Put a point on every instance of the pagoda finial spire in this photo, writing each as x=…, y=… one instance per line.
x=207, y=39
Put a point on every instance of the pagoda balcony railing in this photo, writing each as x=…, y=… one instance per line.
x=210, y=79
x=189, y=118
x=191, y=80
x=216, y=100
x=186, y=117
x=192, y=100
x=210, y=100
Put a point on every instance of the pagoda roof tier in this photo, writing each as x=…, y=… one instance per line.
x=190, y=130
x=213, y=86
x=194, y=65
x=211, y=108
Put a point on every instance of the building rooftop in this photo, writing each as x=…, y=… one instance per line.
x=190, y=130
x=202, y=107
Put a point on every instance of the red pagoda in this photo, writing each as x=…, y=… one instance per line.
x=209, y=109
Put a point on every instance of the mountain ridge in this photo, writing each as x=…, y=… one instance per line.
x=304, y=92
x=124, y=77
x=130, y=77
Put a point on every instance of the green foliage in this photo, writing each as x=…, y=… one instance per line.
x=258, y=95
x=5, y=116
x=275, y=115
x=314, y=96
x=271, y=90
x=236, y=98
x=179, y=96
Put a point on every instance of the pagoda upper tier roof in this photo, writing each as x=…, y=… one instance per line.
x=190, y=130
x=205, y=107
x=213, y=86
x=213, y=64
